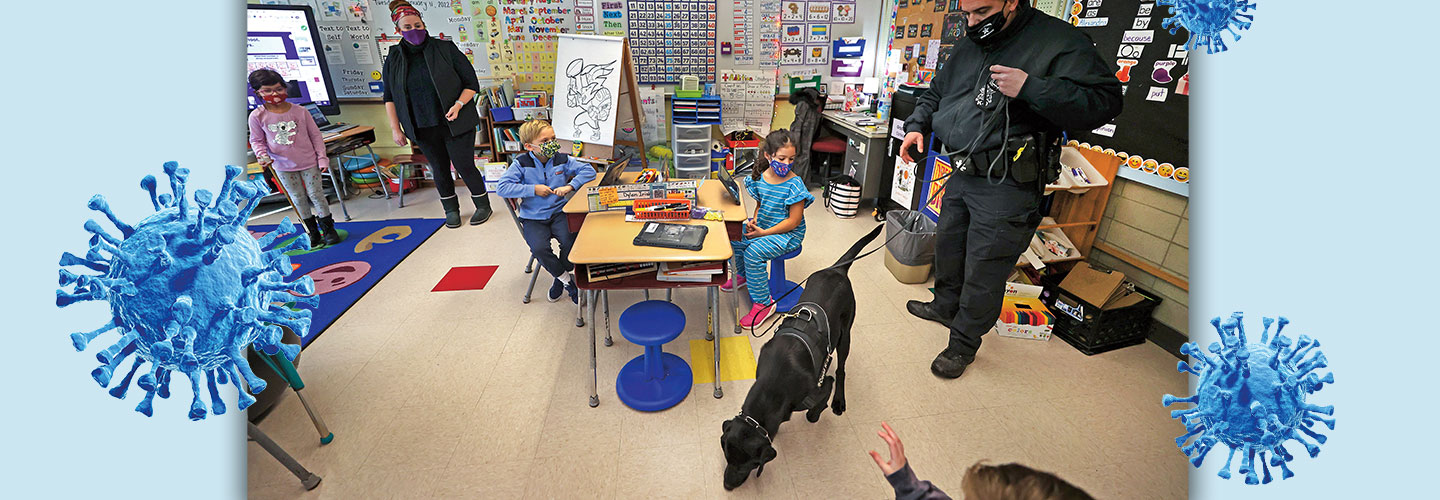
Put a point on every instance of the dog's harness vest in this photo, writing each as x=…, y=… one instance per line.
x=813, y=313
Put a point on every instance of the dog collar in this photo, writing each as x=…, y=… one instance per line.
x=758, y=427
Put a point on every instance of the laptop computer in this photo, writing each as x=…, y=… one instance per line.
x=326, y=128
x=730, y=185
x=612, y=172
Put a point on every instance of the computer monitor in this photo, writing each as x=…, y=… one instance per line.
x=319, y=116
x=284, y=38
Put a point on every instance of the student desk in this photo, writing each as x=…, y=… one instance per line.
x=865, y=153
x=605, y=237
x=336, y=147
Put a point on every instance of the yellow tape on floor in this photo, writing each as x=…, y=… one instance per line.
x=737, y=360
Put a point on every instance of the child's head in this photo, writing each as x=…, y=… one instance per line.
x=268, y=84
x=1016, y=482
x=778, y=146
x=539, y=137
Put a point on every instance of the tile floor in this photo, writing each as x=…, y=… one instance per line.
x=476, y=395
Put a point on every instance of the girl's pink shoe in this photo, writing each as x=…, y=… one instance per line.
x=757, y=314
x=731, y=284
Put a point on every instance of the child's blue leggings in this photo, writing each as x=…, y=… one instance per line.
x=753, y=256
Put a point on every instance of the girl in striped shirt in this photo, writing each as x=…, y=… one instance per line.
x=778, y=225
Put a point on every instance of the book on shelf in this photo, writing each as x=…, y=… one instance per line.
x=692, y=268
x=602, y=272
x=684, y=278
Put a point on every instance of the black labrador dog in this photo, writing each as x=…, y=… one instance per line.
x=789, y=368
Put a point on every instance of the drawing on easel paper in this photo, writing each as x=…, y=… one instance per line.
x=588, y=76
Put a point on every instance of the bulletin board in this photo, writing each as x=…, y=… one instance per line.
x=1152, y=133
x=920, y=41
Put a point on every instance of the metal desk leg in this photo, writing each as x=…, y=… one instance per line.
x=339, y=190
x=605, y=296
x=383, y=188
x=714, y=304
x=594, y=372
x=668, y=295
x=735, y=301
x=580, y=311
x=307, y=478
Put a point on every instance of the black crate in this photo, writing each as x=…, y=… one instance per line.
x=1099, y=330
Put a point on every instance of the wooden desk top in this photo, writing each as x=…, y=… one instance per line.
x=350, y=133
x=711, y=195
x=607, y=238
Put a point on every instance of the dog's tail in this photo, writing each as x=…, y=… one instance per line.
x=845, y=260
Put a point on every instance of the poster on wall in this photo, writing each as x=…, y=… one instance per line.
x=819, y=33
x=669, y=40
x=817, y=11
x=792, y=11
x=817, y=54
x=587, y=86
x=1152, y=132
x=792, y=55
x=792, y=34
x=842, y=13
x=933, y=192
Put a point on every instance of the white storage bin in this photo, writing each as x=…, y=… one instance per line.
x=692, y=132
x=690, y=147
x=693, y=162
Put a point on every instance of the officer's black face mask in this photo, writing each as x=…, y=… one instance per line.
x=987, y=30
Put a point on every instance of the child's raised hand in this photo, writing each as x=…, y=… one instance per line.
x=897, y=451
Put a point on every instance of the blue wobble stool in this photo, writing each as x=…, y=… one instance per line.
x=655, y=380
x=779, y=285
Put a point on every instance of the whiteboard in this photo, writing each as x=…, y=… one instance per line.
x=587, y=88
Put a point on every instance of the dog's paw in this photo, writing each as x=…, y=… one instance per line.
x=838, y=408
x=814, y=415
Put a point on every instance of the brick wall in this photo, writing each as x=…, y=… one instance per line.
x=1152, y=225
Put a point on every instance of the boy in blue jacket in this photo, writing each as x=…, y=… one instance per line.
x=541, y=178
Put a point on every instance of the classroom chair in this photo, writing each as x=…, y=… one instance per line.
x=655, y=380
x=779, y=285
x=404, y=165
x=828, y=148
x=513, y=205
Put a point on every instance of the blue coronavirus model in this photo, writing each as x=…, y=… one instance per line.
x=1251, y=397
x=1205, y=19
x=189, y=291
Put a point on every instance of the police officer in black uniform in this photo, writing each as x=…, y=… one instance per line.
x=997, y=108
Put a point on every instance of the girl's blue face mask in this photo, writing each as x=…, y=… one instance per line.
x=781, y=169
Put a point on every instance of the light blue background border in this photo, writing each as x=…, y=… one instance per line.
x=97, y=95
x=1314, y=137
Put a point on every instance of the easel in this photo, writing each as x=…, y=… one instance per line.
x=628, y=94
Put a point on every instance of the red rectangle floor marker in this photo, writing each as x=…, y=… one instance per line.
x=465, y=278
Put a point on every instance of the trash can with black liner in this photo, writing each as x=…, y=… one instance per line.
x=910, y=247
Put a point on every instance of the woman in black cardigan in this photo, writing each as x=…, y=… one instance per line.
x=429, y=85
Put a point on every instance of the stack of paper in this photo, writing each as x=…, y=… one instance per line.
x=689, y=272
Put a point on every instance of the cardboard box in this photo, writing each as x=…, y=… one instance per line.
x=1106, y=288
x=1024, y=316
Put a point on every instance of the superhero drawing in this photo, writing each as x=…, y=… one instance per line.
x=588, y=96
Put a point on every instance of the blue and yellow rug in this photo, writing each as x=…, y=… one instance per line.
x=344, y=272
